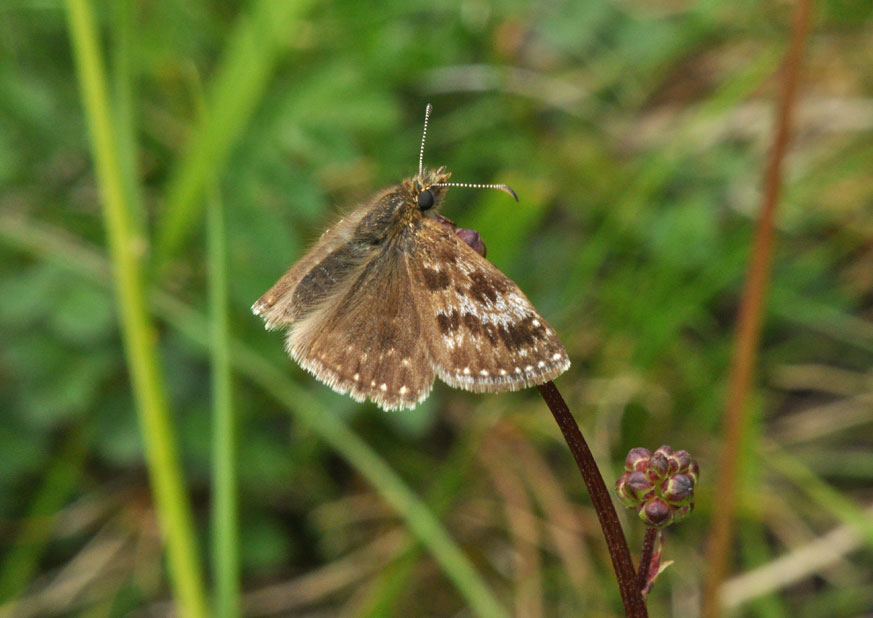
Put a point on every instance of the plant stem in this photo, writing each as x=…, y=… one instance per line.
x=138, y=333
x=749, y=322
x=225, y=509
x=634, y=605
x=225, y=537
x=123, y=79
x=646, y=558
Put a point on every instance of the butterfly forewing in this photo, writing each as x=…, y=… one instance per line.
x=482, y=332
x=328, y=265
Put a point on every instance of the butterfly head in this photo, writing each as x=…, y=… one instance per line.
x=428, y=188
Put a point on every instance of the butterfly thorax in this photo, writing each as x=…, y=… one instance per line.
x=397, y=212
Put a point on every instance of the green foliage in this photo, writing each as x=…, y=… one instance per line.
x=635, y=135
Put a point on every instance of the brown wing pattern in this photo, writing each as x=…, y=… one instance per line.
x=482, y=332
x=365, y=345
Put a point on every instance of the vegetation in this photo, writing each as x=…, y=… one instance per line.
x=162, y=163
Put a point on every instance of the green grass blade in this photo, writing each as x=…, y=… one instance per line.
x=21, y=561
x=225, y=538
x=124, y=95
x=235, y=92
x=137, y=330
x=822, y=318
x=225, y=512
x=819, y=491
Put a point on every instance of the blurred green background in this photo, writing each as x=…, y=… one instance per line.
x=635, y=134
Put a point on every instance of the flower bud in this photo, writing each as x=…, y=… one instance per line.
x=656, y=513
x=472, y=238
x=637, y=459
x=468, y=236
x=683, y=460
x=623, y=490
x=694, y=471
x=640, y=485
x=678, y=489
x=659, y=485
x=658, y=467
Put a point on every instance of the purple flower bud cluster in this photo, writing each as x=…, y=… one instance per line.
x=659, y=485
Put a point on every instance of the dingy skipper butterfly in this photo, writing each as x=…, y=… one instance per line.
x=393, y=295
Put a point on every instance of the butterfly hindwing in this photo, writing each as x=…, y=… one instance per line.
x=368, y=344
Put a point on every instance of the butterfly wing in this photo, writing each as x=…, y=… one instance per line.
x=368, y=343
x=482, y=332
x=318, y=276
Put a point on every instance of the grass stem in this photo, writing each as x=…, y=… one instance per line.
x=138, y=332
x=225, y=536
x=749, y=322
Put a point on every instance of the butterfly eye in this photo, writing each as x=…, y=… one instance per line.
x=425, y=199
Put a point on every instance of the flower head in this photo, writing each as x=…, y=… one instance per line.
x=659, y=485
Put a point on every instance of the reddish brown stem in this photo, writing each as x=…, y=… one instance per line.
x=646, y=558
x=634, y=605
x=749, y=321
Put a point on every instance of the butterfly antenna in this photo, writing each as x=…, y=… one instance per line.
x=427, y=111
x=504, y=188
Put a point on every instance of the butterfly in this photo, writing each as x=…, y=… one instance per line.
x=394, y=295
